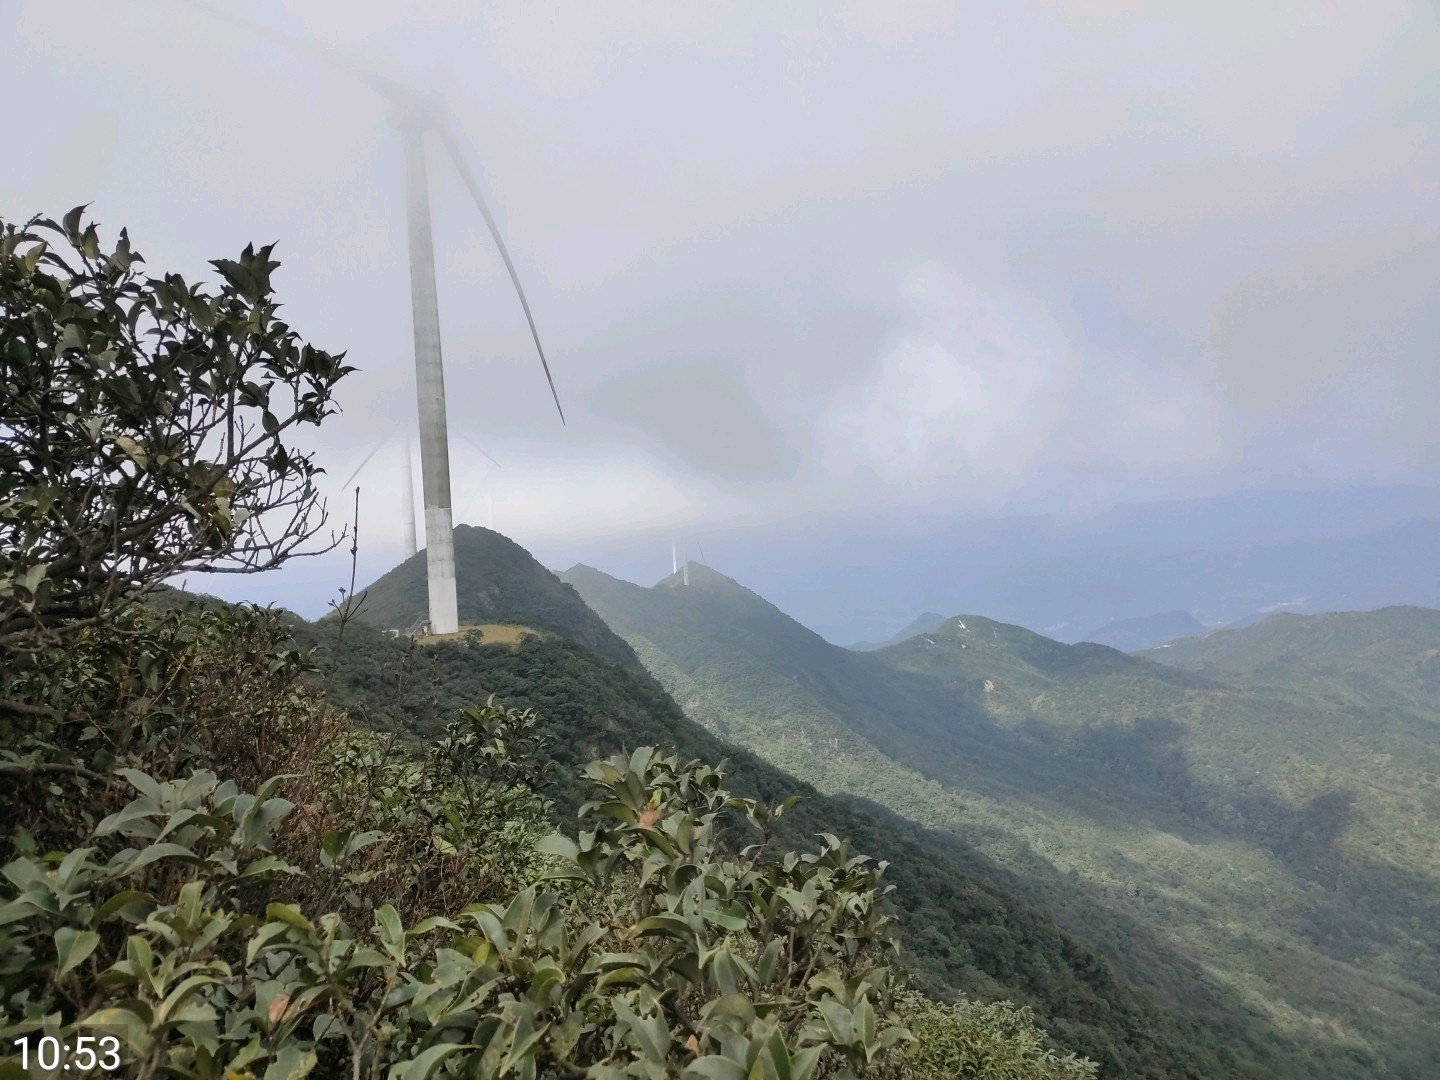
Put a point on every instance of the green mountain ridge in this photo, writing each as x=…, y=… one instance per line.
x=1268, y=832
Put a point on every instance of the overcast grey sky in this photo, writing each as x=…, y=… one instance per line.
x=804, y=257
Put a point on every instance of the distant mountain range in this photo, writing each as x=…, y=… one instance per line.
x=922, y=624
x=1064, y=596
x=1249, y=820
x=1147, y=631
x=1064, y=574
x=1383, y=659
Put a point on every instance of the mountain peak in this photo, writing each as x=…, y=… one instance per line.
x=496, y=580
x=699, y=576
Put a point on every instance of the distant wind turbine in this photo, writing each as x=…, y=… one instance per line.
x=407, y=481
x=407, y=486
x=417, y=115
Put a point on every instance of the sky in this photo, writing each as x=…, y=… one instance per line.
x=819, y=262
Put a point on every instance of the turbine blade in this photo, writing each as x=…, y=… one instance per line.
x=366, y=460
x=453, y=149
x=479, y=449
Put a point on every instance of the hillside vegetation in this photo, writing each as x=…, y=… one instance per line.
x=1243, y=848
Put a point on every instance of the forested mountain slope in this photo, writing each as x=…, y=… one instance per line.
x=1276, y=841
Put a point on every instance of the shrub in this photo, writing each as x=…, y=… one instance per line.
x=652, y=953
x=973, y=1040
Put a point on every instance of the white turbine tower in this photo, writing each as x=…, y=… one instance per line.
x=407, y=487
x=407, y=484
x=417, y=115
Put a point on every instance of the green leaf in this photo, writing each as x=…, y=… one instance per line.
x=333, y=842
x=126, y=816
x=731, y=918
x=714, y=1067
x=142, y=782
x=291, y=1063
x=390, y=932
x=737, y=1005
x=288, y=913
x=250, y=277
x=422, y=1066
x=268, y=864
x=837, y=1018
x=803, y=1063
x=131, y=1019
x=263, y=937
x=188, y=986
x=864, y=1017
x=650, y=1032
x=121, y=901
x=72, y=947
x=766, y=965
x=725, y=971
x=156, y=852
x=668, y=924
x=368, y=958
x=558, y=844
x=424, y=926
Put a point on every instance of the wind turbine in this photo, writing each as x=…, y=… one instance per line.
x=416, y=115
x=407, y=483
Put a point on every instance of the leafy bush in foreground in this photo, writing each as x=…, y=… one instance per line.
x=652, y=953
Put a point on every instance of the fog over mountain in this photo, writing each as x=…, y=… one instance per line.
x=814, y=278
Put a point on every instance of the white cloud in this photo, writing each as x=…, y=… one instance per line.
x=1160, y=242
x=981, y=396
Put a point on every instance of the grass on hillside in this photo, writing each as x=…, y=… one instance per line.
x=483, y=633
